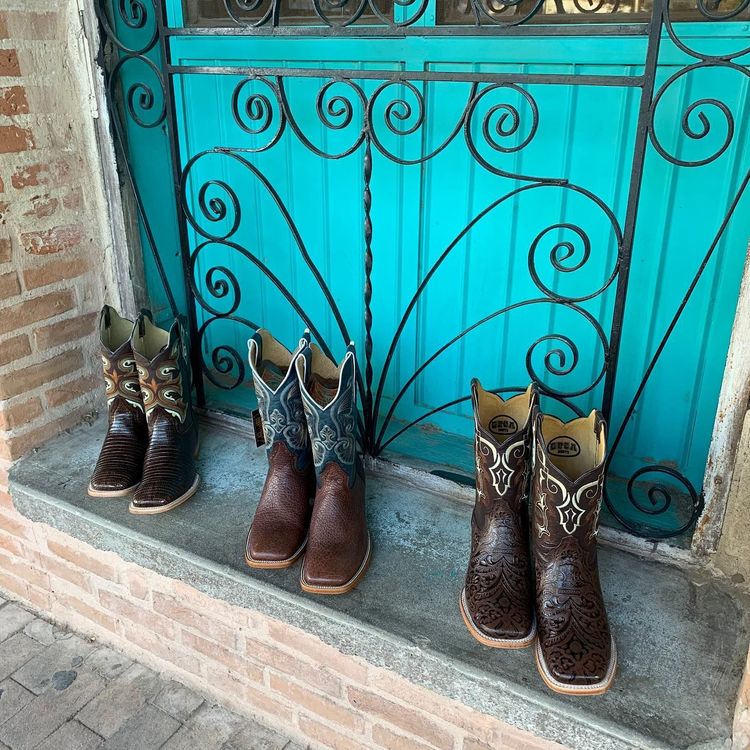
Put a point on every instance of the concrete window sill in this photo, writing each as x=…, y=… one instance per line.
x=681, y=635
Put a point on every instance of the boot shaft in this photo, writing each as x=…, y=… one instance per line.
x=163, y=371
x=329, y=399
x=502, y=442
x=118, y=361
x=278, y=393
x=568, y=479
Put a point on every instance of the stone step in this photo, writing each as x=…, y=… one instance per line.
x=682, y=636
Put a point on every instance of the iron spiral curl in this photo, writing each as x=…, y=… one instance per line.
x=699, y=117
x=146, y=107
x=655, y=499
x=483, y=15
x=234, y=7
x=137, y=16
x=255, y=112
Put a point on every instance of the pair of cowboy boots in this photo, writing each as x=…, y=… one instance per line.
x=520, y=452
x=308, y=408
x=152, y=434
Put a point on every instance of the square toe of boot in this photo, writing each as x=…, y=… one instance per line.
x=269, y=554
x=114, y=483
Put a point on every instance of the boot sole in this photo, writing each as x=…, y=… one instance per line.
x=92, y=492
x=275, y=564
x=135, y=510
x=486, y=640
x=560, y=687
x=344, y=588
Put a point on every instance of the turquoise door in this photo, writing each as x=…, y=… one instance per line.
x=509, y=200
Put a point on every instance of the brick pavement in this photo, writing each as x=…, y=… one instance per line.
x=61, y=691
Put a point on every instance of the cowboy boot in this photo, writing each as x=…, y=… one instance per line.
x=169, y=475
x=278, y=533
x=497, y=602
x=338, y=547
x=575, y=653
x=120, y=463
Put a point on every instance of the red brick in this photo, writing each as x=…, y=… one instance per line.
x=9, y=286
x=52, y=240
x=14, y=139
x=326, y=736
x=42, y=207
x=18, y=445
x=73, y=389
x=3, y=26
x=21, y=569
x=33, y=310
x=259, y=698
x=51, y=174
x=5, y=250
x=401, y=716
x=392, y=741
x=9, y=63
x=71, y=329
x=73, y=199
x=230, y=659
x=28, y=378
x=54, y=270
x=137, y=614
x=317, y=704
x=13, y=101
x=313, y=675
x=320, y=652
x=14, y=348
x=216, y=631
x=11, y=544
x=31, y=25
x=14, y=523
x=13, y=584
x=58, y=569
x=82, y=559
x=163, y=648
x=476, y=724
x=20, y=413
x=99, y=617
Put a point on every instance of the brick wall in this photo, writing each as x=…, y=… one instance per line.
x=53, y=274
x=251, y=662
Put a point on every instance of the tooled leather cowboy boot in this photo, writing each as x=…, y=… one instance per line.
x=169, y=474
x=497, y=602
x=120, y=463
x=278, y=533
x=575, y=652
x=338, y=546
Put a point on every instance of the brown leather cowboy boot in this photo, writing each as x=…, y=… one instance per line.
x=338, y=547
x=575, y=653
x=497, y=602
x=120, y=463
x=278, y=533
x=169, y=475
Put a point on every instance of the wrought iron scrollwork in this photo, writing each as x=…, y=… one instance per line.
x=376, y=115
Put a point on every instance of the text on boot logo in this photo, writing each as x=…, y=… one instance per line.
x=502, y=424
x=564, y=447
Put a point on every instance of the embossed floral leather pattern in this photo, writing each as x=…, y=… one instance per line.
x=169, y=470
x=575, y=650
x=120, y=463
x=498, y=592
x=338, y=548
x=279, y=529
